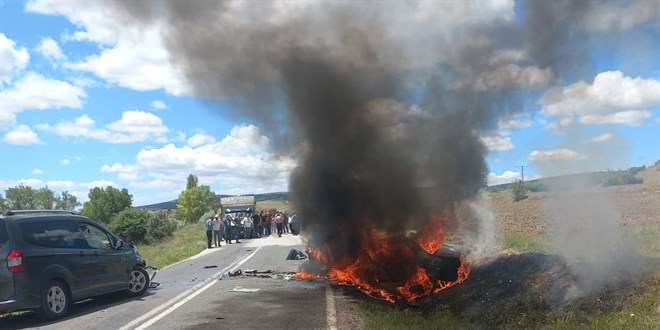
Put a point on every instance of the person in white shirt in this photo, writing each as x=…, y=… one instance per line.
x=247, y=225
x=218, y=229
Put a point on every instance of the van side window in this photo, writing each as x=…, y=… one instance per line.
x=95, y=237
x=52, y=233
x=4, y=237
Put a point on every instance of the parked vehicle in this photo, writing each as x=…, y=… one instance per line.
x=50, y=259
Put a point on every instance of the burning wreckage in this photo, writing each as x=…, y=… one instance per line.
x=394, y=268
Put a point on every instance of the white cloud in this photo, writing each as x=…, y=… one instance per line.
x=612, y=99
x=620, y=15
x=50, y=49
x=125, y=172
x=506, y=177
x=13, y=59
x=497, y=142
x=241, y=160
x=34, y=91
x=131, y=55
x=99, y=183
x=134, y=126
x=37, y=171
x=36, y=183
x=139, y=126
x=200, y=139
x=65, y=161
x=158, y=104
x=602, y=138
x=556, y=154
x=22, y=135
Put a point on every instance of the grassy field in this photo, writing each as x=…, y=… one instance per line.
x=186, y=242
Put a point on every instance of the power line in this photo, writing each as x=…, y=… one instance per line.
x=522, y=171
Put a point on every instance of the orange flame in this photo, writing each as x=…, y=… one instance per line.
x=386, y=267
x=433, y=235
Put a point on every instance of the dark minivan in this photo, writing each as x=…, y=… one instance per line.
x=49, y=259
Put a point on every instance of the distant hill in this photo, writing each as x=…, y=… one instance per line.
x=558, y=182
x=171, y=205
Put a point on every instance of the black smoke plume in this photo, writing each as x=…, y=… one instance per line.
x=381, y=102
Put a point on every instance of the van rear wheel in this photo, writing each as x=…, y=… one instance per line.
x=138, y=282
x=55, y=300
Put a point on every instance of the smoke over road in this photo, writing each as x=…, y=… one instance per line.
x=382, y=103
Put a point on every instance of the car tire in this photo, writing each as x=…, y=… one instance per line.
x=55, y=301
x=138, y=282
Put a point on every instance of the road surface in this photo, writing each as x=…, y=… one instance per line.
x=193, y=294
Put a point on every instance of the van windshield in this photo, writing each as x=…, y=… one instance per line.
x=3, y=233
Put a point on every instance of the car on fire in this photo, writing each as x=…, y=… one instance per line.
x=50, y=259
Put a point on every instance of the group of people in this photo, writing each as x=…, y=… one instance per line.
x=250, y=225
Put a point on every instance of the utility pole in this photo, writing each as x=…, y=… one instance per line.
x=522, y=171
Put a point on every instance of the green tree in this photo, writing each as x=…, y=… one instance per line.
x=519, y=190
x=44, y=199
x=192, y=181
x=21, y=198
x=195, y=201
x=3, y=203
x=103, y=203
x=67, y=202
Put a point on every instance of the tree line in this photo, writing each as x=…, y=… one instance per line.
x=113, y=207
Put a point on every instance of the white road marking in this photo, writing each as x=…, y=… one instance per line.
x=174, y=303
x=330, y=308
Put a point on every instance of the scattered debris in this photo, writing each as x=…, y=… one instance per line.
x=254, y=271
x=296, y=255
x=152, y=271
x=242, y=289
x=236, y=273
x=211, y=266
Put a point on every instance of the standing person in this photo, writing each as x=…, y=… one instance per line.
x=293, y=223
x=279, y=220
x=209, y=231
x=237, y=227
x=269, y=221
x=228, y=227
x=217, y=230
x=256, y=224
x=247, y=226
x=285, y=223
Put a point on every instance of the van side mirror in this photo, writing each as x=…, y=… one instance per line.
x=118, y=244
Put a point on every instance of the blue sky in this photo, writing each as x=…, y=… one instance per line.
x=88, y=101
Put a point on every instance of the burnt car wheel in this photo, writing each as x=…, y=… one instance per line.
x=138, y=281
x=55, y=300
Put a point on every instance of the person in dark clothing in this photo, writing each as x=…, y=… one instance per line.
x=209, y=232
x=256, y=222
x=228, y=229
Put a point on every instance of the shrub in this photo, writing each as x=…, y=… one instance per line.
x=160, y=227
x=617, y=178
x=519, y=190
x=131, y=225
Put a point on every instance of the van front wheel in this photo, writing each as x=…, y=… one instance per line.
x=138, y=282
x=55, y=300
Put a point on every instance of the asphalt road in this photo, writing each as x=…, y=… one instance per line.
x=193, y=294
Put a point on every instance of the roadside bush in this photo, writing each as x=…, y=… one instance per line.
x=160, y=227
x=519, y=190
x=139, y=226
x=617, y=178
x=131, y=225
